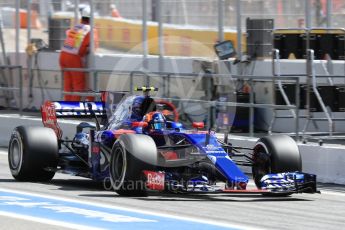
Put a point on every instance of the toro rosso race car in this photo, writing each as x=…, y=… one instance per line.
x=141, y=147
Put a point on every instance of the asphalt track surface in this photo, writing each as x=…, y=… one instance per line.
x=299, y=211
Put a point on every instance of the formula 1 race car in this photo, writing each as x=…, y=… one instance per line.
x=138, y=149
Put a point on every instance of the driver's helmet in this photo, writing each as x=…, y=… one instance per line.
x=157, y=121
x=82, y=139
x=136, y=109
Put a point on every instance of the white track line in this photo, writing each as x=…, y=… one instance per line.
x=215, y=223
x=46, y=221
x=332, y=193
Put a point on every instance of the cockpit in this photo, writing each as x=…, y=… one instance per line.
x=131, y=109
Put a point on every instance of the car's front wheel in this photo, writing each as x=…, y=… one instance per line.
x=127, y=164
x=275, y=154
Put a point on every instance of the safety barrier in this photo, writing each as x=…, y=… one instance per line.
x=126, y=35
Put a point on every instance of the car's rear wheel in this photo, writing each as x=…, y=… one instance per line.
x=33, y=153
x=275, y=154
x=126, y=169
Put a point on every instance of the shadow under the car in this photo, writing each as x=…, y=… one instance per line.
x=8, y=180
x=219, y=197
x=160, y=197
x=110, y=194
x=77, y=184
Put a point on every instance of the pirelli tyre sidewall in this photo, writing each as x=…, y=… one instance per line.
x=126, y=169
x=275, y=154
x=33, y=153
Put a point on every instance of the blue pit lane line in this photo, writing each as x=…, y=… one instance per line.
x=92, y=216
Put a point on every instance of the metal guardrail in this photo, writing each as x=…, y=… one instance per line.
x=10, y=88
x=311, y=81
x=313, y=78
x=277, y=77
x=276, y=72
x=251, y=105
x=166, y=76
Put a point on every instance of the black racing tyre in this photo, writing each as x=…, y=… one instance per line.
x=275, y=154
x=126, y=169
x=31, y=151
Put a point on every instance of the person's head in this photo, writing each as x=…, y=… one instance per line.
x=85, y=20
x=136, y=109
x=85, y=15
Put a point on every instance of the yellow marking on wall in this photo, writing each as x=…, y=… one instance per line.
x=126, y=35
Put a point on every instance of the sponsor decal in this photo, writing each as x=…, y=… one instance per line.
x=213, y=149
x=95, y=148
x=64, y=108
x=155, y=180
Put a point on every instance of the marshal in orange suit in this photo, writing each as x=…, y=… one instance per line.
x=73, y=55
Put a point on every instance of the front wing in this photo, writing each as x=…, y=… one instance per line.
x=280, y=183
x=293, y=182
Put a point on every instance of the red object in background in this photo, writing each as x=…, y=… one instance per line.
x=337, y=5
x=110, y=32
x=126, y=36
x=73, y=81
x=186, y=47
x=104, y=96
x=23, y=19
x=155, y=180
x=73, y=55
x=198, y=125
x=301, y=23
x=115, y=12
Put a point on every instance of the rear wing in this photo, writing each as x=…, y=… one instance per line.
x=79, y=109
x=50, y=111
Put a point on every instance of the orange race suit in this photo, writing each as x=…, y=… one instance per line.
x=73, y=55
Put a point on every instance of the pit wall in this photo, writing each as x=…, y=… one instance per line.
x=51, y=81
x=126, y=35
